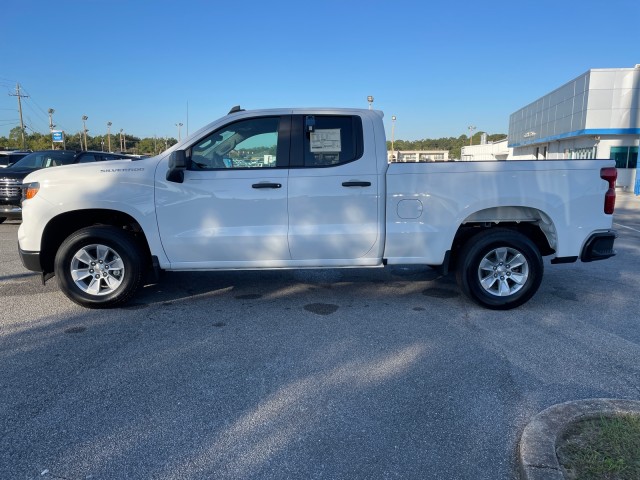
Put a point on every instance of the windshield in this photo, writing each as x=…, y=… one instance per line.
x=45, y=159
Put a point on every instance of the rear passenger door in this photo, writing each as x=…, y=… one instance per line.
x=333, y=191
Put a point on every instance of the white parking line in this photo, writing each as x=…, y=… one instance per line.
x=624, y=226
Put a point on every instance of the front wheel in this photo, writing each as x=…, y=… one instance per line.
x=99, y=267
x=499, y=269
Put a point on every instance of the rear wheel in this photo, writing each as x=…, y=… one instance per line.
x=499, y=269
x=99, y=267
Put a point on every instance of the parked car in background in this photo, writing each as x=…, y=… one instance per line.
x=11, y=177
x=8, y=158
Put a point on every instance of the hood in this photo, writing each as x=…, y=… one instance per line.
x=88, y=171
x=19, y=173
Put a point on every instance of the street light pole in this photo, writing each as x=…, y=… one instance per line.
x=84, y=128
x=471, y=129
x=51, y=111
x=393, y=128
x=370, y=100
x=121, y=139
x=179, y=125
x=109, y=135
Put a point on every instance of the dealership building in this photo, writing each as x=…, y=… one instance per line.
x=596, y=115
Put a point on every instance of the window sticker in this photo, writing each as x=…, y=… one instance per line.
x=326, y=141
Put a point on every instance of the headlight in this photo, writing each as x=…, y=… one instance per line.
x=30, y=190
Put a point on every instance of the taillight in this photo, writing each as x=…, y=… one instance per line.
x=609, y=174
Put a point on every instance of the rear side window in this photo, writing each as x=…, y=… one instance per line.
x=87, y=158
x=334, y=140
x=112, y=157
x=46, y=159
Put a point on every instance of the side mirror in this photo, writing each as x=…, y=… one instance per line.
x=177, y=166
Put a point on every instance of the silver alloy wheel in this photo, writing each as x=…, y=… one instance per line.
x=503, y=271
x=97, y=269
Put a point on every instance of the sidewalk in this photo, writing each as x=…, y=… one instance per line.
x=627, y=199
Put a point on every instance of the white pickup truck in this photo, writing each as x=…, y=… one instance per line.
x=311, y=188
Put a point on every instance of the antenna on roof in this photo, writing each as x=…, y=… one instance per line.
x=235, y=109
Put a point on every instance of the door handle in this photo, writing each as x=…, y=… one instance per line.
x=267, y=185
x=356, y=184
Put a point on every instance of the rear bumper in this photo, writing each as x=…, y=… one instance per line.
x=30, y=260
x=599, y=246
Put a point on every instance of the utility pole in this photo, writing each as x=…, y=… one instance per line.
x=179, y=125
x=124, y=139
x=51, y=125
x=19, y=95
x=121, y=139
x=109, y=135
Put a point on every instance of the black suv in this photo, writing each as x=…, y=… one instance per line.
x=12, y=176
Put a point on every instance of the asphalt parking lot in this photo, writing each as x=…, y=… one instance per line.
x=335, y=374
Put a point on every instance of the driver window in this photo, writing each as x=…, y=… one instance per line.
x=248, y=143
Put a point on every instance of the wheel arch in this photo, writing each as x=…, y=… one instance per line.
x=63, y=225
x=531, y=222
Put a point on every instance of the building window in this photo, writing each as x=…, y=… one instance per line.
x=625, y=157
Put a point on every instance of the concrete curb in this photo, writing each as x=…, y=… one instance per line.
x=537, y=449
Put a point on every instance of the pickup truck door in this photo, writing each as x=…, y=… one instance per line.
x=231, y=209
x=333, y=191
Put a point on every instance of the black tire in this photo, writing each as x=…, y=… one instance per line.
x=2, y=219
x=485, y=274
x=118, y=266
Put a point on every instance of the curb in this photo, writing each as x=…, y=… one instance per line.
x=537, y=449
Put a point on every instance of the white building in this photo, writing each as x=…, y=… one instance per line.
x=486, y=151
x=596, y=115
x=418, y=156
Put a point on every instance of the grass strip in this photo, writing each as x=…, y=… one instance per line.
x=606, y=448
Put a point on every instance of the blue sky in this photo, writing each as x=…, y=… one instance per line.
x=438, y=67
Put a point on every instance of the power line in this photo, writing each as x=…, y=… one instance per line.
x=34, y=111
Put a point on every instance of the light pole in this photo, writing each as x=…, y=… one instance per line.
x=109, y=135
x=178, y=125
x=471, y=129
x=393, y=128
x=84, y=128
x=370, y=100
x=51, y=111
x=121, y=130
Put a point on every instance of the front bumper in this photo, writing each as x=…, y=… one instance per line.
x=30, y=260
x=599, y=246
x=11, y=212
